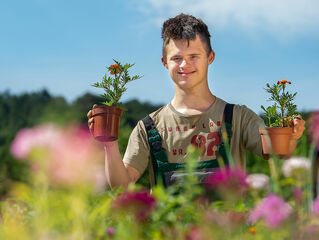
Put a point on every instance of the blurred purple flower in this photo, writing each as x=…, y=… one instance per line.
x=141, y=203
x=272, y=209
x=315, y=206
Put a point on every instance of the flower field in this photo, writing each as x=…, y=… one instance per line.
x=66, y=197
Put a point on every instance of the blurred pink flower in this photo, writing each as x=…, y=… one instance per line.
x=297, y=194
x=141, y=203
x=28, y=139
x=315, y=206
x=74, y=158
x=70, y=155
x=230, y=219
x=194, y=233
x=110, y=231
x=229, y=177
x=314, y=127
x=229, y=183
x=272, y=209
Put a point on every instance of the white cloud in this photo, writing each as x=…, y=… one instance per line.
x=277, y=17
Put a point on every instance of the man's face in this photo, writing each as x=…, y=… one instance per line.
x=187, y=64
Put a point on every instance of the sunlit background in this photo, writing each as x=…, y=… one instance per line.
x=64, y=46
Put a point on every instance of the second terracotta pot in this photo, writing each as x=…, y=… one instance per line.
x=106, y=123
x=275, y=140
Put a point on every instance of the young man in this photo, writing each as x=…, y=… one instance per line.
x=194, y=116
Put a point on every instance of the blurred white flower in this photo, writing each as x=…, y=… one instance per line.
x=295, y=165
x=258, y=181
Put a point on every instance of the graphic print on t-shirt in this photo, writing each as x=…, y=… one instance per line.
x=202, y=135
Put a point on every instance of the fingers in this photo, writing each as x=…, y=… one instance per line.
x=89, y=114
x=299, y=127
x=91, y=119
x=91, y=125
x=90, y=122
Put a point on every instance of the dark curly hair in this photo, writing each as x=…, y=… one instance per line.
x=186, y=27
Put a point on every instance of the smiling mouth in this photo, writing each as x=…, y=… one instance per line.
x=186, y=73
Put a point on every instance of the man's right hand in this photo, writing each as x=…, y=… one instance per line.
x=90, y=119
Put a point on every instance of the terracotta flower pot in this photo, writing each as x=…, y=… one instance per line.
x=106, y=123
x=275, y=140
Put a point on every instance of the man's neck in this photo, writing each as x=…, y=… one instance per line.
x=192, y=103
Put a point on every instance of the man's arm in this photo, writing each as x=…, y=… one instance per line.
x=117, y=173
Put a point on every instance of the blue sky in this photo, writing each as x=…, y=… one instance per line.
x=64, y=46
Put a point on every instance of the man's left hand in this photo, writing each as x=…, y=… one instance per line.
x=298, y=127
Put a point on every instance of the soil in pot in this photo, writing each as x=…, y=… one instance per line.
x=106, y=123
x=275, y=140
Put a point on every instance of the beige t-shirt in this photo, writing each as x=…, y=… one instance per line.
x=179, y=130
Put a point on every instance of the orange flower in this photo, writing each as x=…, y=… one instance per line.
x=252, y=230
x=114, y=68
x=283, y=82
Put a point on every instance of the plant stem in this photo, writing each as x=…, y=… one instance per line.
x=269, y=122
x=282, y=107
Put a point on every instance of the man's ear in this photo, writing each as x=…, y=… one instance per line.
x=211, y=57
x=164, y=63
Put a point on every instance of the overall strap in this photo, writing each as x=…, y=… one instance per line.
x=228, y=118
x=158, y=153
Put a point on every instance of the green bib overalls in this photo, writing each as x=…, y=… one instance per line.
x=163, y=170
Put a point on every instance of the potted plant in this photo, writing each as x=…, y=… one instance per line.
x=278, y=118
x=107, y=117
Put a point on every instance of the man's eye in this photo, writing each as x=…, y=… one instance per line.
x=194, y=56
x=176, y=58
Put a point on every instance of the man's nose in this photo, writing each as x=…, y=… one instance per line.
x=183, y=63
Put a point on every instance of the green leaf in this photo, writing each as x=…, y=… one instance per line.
x=114, y=85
